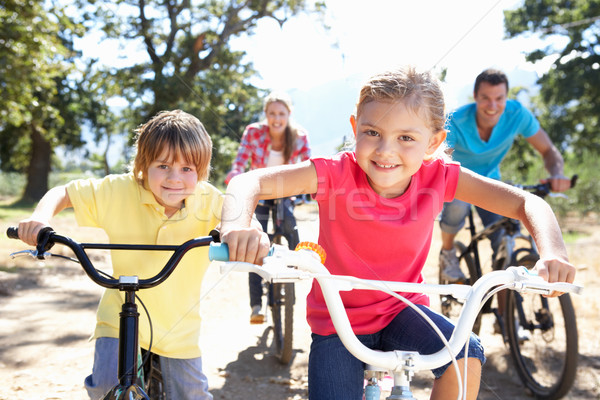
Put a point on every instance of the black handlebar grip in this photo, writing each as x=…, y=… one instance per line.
x=12, y=232
x=573, y=181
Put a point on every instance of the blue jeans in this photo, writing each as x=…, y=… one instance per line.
x=182, y=378
x=334, y=373
x=290, y=231
x=453, y=220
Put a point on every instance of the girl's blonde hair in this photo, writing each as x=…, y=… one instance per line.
x=420, y=91
x=291, y=132
x=182, y=134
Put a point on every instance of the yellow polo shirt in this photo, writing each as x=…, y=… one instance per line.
x=128, y=213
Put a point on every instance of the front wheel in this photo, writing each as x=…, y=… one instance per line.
x=283, y=320
x=543, y=339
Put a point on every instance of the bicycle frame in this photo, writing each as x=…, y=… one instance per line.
x=512, y=233
x=403, y=364
x=128, y=387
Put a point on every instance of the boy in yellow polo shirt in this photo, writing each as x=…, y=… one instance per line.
x=164, y=200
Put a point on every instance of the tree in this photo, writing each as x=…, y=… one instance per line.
x=189, y=62
x=38, y=106
x=569, y=106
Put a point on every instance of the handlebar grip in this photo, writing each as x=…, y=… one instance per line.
x=574, y=180
x=218, y=252
x=12, y=232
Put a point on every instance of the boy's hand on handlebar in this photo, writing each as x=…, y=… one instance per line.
x=558, y=183
x=29, y=229
x=247, y=244
x=555, y=270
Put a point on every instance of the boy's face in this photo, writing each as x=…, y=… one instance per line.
x=171, y=181
x=391, y=144
x=277, y=118
x=491, y=102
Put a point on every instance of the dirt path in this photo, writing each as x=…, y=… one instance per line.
x=47, y=314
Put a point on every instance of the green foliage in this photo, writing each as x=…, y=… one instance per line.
x=224, y=152
x=39, y=106
x=569, y=107
x=189, y=63
x=48, y=97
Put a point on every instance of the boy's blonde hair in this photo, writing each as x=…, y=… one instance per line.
x=421, y=91
x=182, y=134
x=291, y=132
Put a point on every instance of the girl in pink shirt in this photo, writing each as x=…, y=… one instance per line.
x=377, y=207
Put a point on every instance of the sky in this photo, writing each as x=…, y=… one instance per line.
x=322, y=69
x=465, y=36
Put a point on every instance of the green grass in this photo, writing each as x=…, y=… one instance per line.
x=571, y=236
x=11, y=212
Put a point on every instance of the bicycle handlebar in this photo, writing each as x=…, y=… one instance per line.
x=283, y=264
x=47, y=238
x=544, y=189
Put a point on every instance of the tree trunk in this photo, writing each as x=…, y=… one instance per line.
x=39, y=167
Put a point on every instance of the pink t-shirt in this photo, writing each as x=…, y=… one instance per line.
x=371, y=237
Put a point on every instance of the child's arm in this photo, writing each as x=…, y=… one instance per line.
x=53, y=202
x=243, y=193
x=535, y=214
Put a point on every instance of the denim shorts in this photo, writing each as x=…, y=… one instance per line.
x=453, y=217
x=334, y=373
x=182, y=378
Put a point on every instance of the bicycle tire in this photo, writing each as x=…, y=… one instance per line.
x=546, y=361
x=283, y=298
x=452, y=307
x=282, y=310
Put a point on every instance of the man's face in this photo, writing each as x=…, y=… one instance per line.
x=491, y=102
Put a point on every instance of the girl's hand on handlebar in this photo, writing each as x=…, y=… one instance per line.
x=29, y=229
x=246, y=244
x=555, y=270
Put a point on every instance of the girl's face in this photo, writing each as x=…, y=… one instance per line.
x=278, y=117
x=391, y=144
x=171, y=181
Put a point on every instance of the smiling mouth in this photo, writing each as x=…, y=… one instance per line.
x=385, y=166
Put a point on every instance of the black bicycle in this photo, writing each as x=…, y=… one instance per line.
x=134, y=384
x=281, y=297
x=540, y=331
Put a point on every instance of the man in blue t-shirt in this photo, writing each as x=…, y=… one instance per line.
x=480, y=134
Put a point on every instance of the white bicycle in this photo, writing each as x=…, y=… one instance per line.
x=284, y=265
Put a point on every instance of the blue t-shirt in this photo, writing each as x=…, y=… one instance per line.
x=485, y=157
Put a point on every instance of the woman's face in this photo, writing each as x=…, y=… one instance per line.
x=278, y=117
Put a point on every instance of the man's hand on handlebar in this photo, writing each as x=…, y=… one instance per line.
x=558, y=183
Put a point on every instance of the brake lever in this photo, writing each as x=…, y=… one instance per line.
x=32, y=253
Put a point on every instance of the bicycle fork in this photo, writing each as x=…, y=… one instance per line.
x=402, y=378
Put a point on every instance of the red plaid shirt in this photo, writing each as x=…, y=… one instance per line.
x=256, y=146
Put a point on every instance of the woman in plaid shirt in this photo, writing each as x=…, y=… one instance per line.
x=271, y=142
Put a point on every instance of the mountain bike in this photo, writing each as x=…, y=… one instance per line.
x=284, y=265
x=133, y=383
x=541, y=332
x=281, y=296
